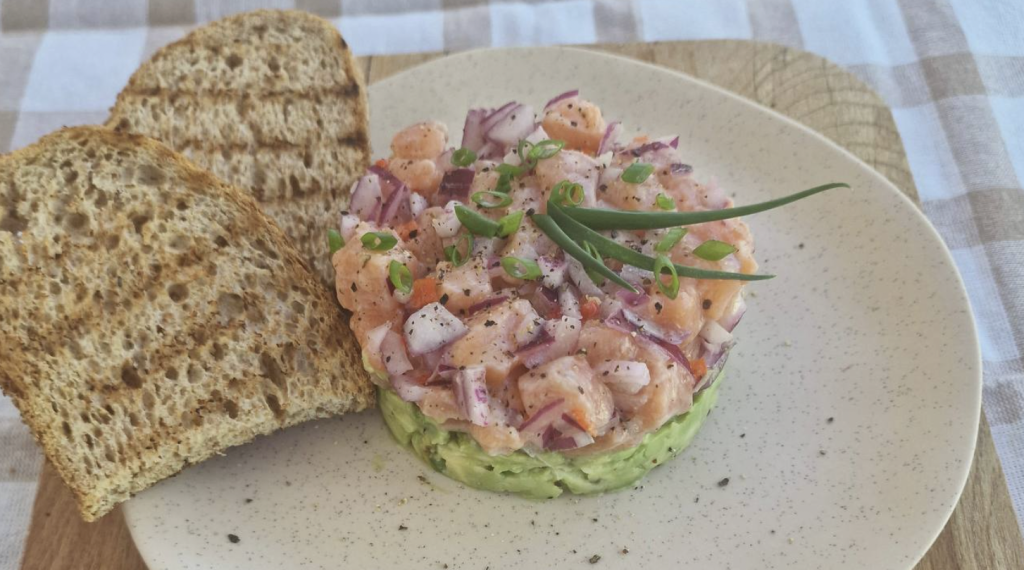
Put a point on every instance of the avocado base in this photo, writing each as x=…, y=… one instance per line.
x=545, y=475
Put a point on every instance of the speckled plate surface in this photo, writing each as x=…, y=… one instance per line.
x=845, y=427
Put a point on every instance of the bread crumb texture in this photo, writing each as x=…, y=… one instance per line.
x=152, y=316
x=270, y=101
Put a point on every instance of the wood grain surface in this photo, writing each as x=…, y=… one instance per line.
x=982, y=534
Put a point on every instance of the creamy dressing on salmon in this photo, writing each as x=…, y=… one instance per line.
x=554, y=361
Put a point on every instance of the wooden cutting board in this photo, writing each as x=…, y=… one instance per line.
x=982, y=533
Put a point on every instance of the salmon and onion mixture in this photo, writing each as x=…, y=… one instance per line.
x=544, y=284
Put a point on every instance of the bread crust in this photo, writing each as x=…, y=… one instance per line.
x=152, y=316
x=270, y=101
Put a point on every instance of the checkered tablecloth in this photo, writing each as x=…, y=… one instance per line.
x=952, y=71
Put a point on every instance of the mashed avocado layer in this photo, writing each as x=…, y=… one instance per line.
x=545, y=475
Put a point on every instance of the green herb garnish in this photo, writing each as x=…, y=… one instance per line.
x=601, y=219
x=459, y=252
x=567, y=193
x=608, y=248
x=508, y=225
x=463, y=157
x=521, y=268
x=547, y=225
x=378, y=241
x=400, y=276
x=596, y=277
x=510, y=170
x=670, y=289
x=545, y=149
x=491, y=199
x=637, y=172
x=335, y=241
x=670, y=240
x=664, y=202
x=476, y=223
x=714, y=250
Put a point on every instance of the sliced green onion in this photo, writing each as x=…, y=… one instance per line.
x=400, y=276
x=670, y=289
x=670, y=240
x=520, y=268
x=714, y=250
x=601, y=219
x=608, y=248
x=335, y=241
x=547, y=225
x=637, y=172
x=378, y=241
x=523, y=150
x=504, y=184
x=463, y=157
x=507, y=169
x=567, y=193
x=491, y=199
x=545, y=149
x=508, y=225
x=596, y=277
x=459, y=252
x=664, y=202
x=476, y=223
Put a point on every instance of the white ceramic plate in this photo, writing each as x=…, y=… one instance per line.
x=867, y=323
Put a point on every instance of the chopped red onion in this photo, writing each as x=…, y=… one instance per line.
x=348, y=226
x=455, y=185
x=569, y=303
x=680, y=169
x=490, y=151
x=646, y=148
x=578, y=277
x=714, y=333
x=552, y=271
x=447, y=224
x=649, y=328
x=366, y=198
x=544, y=416
x=471, y=394
x=473, y=131
x=497, y=116
x=620, y=322
x=715, y=364
x=432, y=327
x=624, y=376
x=407, y=388
x=392, y=352
x=559, y=338
x=442, y=374
x=610, y=140
x=417, y=203
x=669, y=140
x=732, y=316
x=672, y=350
x=375, y=337
x=513, y=126
x=563, y=96
x=632, y=299
x=544, y=301
x=566, y=433
x=487, y=304
x=396, y=209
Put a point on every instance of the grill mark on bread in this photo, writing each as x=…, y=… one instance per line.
x=109, y=431
x=241, y=86
x=344, y=91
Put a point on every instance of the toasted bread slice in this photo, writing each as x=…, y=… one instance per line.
x=269, y=101
x=152, y=316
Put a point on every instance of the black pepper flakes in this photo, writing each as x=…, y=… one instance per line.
x=658, y=307
x=595, y=559
x=354, y=288
x=247, y=501
x=706, y=304
x=413, y=234
x=625, y=550
x=489, y=323
x=530, y=212
x=233, y=538
x=723, y=482
x=444, y=299
x=830, y=420
x=402, y=527
x=743, y=435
